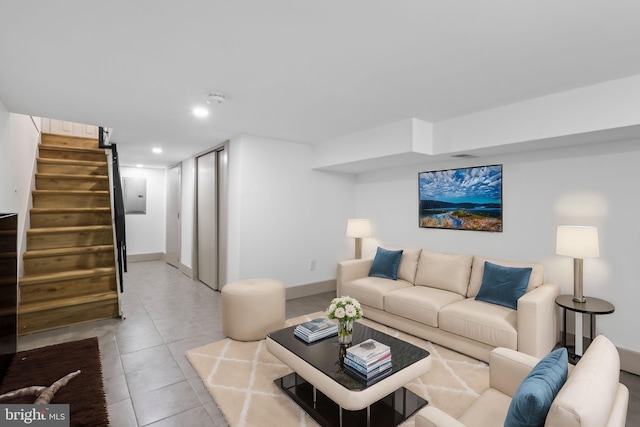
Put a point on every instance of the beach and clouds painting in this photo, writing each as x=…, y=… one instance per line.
x=461, y=199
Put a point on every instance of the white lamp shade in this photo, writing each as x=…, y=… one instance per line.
x=358, y=228
x=577, y=241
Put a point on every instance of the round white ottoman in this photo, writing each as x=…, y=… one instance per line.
x=252, y=308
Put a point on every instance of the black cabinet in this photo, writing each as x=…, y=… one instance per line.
x=8, y=289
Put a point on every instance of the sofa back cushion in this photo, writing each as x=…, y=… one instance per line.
x=449, y=272
x=586, y=399
x=477, y=272
x=408, y=263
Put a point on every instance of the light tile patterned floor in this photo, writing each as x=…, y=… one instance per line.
x=148, y=380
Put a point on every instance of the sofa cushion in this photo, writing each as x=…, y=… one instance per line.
x=371, y=290
x=477, y=272
x=489, y=410
x=587, y=397
x=408, y=263
x=503, y=285
x=385, y=264
x=531, y=402
x=419, y=303
x=449, y=272
x=491, y=324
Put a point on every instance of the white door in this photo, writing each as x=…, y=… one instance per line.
x=207, y=219
x=173, y=216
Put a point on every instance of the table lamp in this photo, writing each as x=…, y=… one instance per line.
x=358, y=228
x=578, y=242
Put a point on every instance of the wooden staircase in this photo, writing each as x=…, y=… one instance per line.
x=70, y=269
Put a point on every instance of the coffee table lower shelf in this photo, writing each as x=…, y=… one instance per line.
x=387, y=412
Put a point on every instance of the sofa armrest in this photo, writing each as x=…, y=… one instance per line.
x=351, y=270
x=538, y=320
x=434, y=417
x=508, y=368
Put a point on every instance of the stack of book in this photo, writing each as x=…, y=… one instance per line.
x=369, y=361
x=316, y=329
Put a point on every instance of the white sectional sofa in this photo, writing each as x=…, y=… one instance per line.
x=434, y=298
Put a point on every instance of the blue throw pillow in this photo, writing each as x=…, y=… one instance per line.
x=532, y=400
x=385, y=264
x=503, y=285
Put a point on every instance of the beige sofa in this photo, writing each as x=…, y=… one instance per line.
x=434, y=299
x=592, y=395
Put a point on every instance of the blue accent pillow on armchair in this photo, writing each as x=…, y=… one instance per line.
x=385, y=264
x=532, y=401
x=503, y=285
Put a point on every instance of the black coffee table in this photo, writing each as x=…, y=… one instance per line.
x=331, y=396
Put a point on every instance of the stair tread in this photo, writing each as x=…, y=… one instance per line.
x=70, y=229
x=79, y=192
x=31, y=307
x=57, y=135
x=69, y=162
x=72, y=149
x=68, y=210
x=34, y=279
x=72, y=176
x=38, y=253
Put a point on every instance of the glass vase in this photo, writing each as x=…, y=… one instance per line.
x=345, y=331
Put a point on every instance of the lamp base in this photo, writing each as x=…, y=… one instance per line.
x=358, y=248
x=577, y=281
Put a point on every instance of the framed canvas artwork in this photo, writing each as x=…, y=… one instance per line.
x=461, y=199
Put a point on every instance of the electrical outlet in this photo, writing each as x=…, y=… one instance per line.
x=312, y=264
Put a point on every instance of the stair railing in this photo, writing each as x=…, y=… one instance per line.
x=104, y=135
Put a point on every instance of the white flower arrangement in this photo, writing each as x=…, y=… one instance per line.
x=344, y=309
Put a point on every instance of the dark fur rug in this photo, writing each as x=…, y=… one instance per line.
x=43, y=366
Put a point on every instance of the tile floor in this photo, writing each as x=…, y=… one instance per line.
x=148, y=380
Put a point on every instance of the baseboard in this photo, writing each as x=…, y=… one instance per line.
x=629, y=359
x=187, y=271
x=311, y=289
x=145, y=257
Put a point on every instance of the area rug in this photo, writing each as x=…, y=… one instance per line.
x=239, y=376
x=43, y=366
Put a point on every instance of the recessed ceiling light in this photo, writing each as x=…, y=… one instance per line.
x=157, y=150
x=200, y=112
x=139, y=165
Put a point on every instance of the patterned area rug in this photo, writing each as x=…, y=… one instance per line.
x=239, y=377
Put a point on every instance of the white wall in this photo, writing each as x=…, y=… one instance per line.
x=6, y=188
x=586, y=185
x=282, y=213
x=25, y=137
x=19, y=138
x=146, y=234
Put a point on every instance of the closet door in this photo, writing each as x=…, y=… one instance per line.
x=207, y=219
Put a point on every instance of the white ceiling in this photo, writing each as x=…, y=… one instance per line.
x=296, y=70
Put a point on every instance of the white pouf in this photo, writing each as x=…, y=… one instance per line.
x=252, y=308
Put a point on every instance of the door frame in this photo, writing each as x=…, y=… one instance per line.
x=179, y=166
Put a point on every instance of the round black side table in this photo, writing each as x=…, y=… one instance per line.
x=592, y=306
